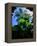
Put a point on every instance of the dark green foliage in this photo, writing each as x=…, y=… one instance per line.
x=23, y=29
x=23, y=19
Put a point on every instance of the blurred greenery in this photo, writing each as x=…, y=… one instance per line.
x=24, y=27
x=23, y=22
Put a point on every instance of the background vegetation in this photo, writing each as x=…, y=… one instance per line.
x=24, y=26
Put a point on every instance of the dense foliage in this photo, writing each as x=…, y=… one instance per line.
x=23, y=21
x=24, y=25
